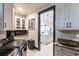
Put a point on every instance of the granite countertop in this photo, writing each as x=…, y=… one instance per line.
x=17, y=43
x=73, y=48
x=10, y=47
x=14, y=44
x=21, y=37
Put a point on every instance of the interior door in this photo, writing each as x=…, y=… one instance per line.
x=49, y=27
x=46, y=27
x=42, y=27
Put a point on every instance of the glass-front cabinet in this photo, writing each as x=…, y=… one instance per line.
x=23, y=23
x=20, y=23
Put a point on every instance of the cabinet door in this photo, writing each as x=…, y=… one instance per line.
x=62, y=53
x=74, y=15
x=18, y=22
x=61, y=15
x=1, y=16
x=58, y=53
x=7, y=16
x=23, y=23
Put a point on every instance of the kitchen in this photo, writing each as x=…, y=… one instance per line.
x=14, y=32
x=19, y=36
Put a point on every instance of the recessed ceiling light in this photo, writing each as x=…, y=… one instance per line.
x=20, y=9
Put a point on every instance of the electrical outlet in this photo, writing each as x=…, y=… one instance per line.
x=77, y=36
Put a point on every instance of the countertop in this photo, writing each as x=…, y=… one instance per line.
x=17, y=43
x=10, y=48
x=73, y=48
x=21, y=37
x=14, y=44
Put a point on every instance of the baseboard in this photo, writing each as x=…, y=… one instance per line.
x=49, y=42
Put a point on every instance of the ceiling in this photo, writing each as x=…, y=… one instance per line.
x=26, y=8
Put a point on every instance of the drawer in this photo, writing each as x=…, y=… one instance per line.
x=62, y=53
x=67, y=50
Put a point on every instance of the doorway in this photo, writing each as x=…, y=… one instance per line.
x=46, y=28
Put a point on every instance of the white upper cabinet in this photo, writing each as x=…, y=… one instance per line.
x=1, y=17
x=74, y=15
x=7, y=16
x=61, y=15
x=67, y=16
x=20, y=23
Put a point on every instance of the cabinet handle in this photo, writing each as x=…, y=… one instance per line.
x=76, y=54
x=67, y=25
x=5, y=25
x=70, y=24
x=61, y=49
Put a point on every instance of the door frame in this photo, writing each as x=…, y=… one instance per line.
x=48, y=9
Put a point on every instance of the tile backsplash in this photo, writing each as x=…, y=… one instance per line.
x=71, y=35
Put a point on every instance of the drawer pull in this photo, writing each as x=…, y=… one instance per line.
x=61, y=49
x=76, y=54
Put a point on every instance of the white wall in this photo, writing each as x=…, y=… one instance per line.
x=34, y=34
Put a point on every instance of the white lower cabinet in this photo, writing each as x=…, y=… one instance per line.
x=63, y=51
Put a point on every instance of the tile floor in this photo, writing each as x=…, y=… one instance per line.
x=46, y=50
